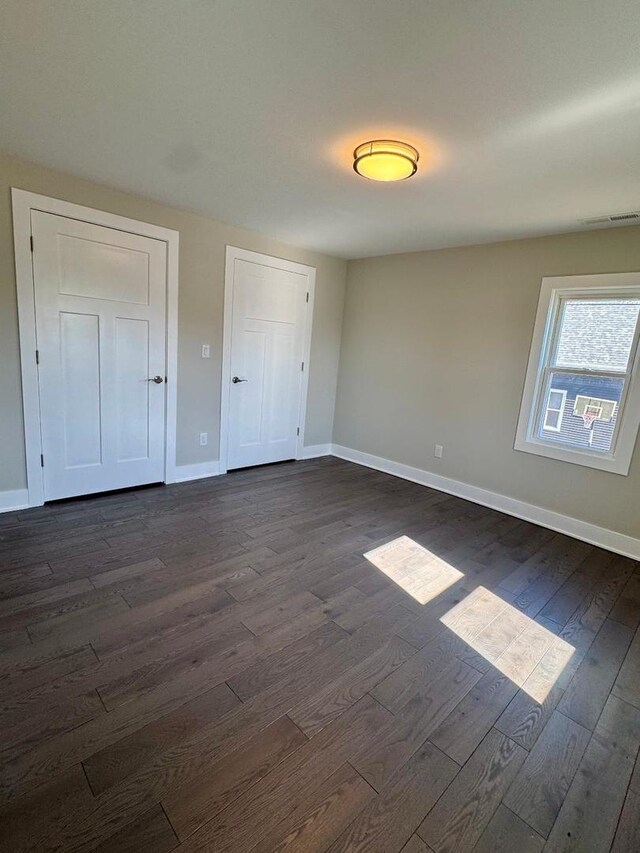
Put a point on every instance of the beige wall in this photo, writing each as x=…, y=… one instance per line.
x=435, y=348
x=202, y=251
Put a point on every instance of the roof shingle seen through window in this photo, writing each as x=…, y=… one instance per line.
x=597, y=334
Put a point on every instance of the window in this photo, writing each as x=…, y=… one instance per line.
x=555, y=410
x=581, y=399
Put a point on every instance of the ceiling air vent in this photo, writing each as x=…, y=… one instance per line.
x=614, y=217
x=618, y=217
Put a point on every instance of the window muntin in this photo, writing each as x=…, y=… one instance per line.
x=585, y=343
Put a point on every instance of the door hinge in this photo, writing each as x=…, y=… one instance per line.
x=307, y=296
x=42, y=460
x=31, y=241
x=298, y=431
x=302, y=368
x=37, y=357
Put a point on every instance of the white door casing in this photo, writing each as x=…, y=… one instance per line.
x=101, y=328
x=268, y=308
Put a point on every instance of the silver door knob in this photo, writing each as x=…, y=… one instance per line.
x=157, y=379
x=237, y=379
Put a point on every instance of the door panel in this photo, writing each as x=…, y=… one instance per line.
x=283, y=376
x=249, y=395
x=100, y=321
x=132, y=396
x=100, y=270
x=79, y=390
x=267, y=339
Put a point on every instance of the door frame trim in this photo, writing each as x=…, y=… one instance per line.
x=233, y=254
x=23, y=203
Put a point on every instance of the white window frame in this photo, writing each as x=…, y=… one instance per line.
x=553, y=291
x=560, y=411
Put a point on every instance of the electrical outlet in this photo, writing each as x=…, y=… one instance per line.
x=437, y=451
x=204, y=438
x=206, y=351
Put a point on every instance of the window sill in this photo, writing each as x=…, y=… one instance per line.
x=614, y=464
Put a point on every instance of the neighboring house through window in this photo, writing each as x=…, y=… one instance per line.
x=581, y=400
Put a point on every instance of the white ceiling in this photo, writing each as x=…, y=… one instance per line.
x=526, y=112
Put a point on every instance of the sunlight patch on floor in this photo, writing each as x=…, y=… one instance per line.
x=419, y=572
x=526, y=652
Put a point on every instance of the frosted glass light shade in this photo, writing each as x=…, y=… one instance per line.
x=385, y=160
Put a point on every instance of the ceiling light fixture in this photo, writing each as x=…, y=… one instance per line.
x=385, y=160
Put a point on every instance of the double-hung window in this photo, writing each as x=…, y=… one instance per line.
x=581, y=400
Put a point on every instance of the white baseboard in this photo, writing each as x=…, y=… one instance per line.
x=199, y=471
x=14, y=500
x=313, y=451
x=591, y=533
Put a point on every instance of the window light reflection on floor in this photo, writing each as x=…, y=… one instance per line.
x=526, y=652
x=419, y=572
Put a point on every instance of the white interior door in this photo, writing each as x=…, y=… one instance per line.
x=267, y=344
x=100, y=297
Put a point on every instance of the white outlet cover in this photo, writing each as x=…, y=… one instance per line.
x=206, y=351
x=437, y=451
x=203, y=439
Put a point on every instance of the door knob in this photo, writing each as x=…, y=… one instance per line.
x=157, y=379
x=237, y=379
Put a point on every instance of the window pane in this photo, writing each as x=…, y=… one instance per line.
x=597, y=334
x=591, y=411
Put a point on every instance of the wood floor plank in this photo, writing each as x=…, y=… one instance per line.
x=203, y=658
x=316, y=712
x=602, y=778
x=416, y=845
x=540, y=787
x=151, y=833
x=199, y=799
x=627, y=839
x=402, y=736
x=589, y=688
x=114, y=763
x=262, y=807
x=524, y=718
x=627, y=684
x=269, y=670
x=460, y=816
x=333, y=806
x=27, y=822
x=21, y=733
x=399, y=687
x=506, y=833
x=465, y=727
x=389, y=821
x=16, y=639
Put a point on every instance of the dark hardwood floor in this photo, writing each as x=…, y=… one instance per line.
x=215, y=666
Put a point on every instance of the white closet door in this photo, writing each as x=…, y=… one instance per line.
x=267, y=340
x=101, y=328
